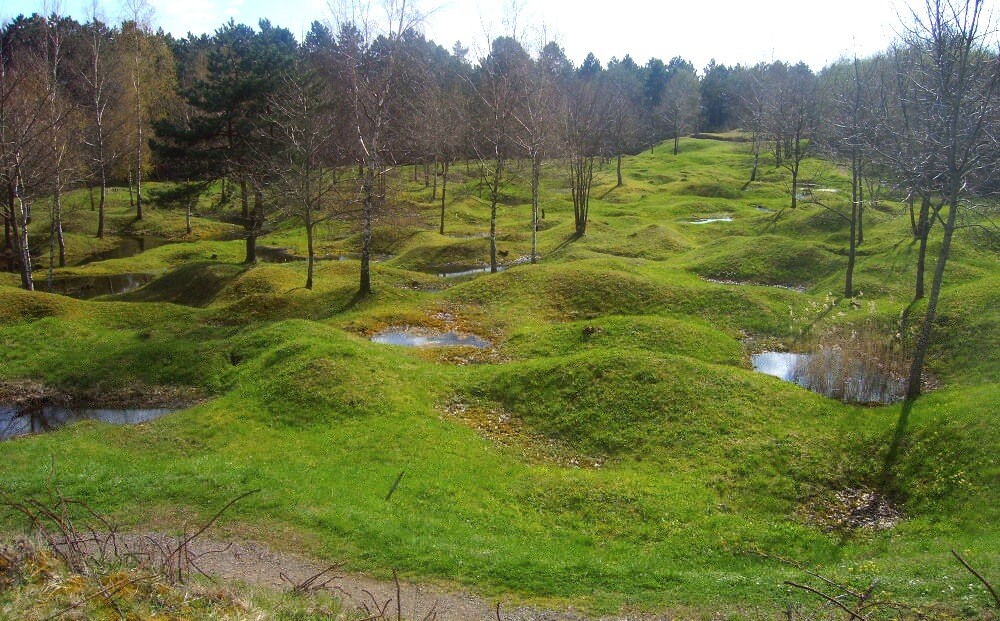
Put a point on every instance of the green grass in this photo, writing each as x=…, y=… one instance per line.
x=638, y=461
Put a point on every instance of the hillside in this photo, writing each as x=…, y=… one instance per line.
x=611, y=449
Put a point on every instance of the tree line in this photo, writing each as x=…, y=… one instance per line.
x=312, y=129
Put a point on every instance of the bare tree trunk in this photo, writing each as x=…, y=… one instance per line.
x=619, y=171
x=677, y=142
x=138, y=189
x=254, y=225
x=581, y=180
x=311, y=253
x=131, y=197
x=923, y=232
x=102, y=204
x=138, y=127
x=795, y=186
x=494, y=198
x=368, y=208
x=434, y=191
x=22, y=247
x=244, y=198
x=923, y=340
x=444, y=190
x=57, y=223
x=849, y=280
x=536, y=173
x=861, y=209
x=52, y=246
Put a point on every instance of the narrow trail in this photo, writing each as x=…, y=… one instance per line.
x=258, y=565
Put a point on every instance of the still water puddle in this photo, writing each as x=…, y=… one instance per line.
x=86, y=287
x=779, y=364
x=20, y=422
x=425, y=337
x=455, y=272
x=128, y=246
x=831, y=373
x=710, y=220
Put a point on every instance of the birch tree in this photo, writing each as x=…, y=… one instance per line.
x=369, y=46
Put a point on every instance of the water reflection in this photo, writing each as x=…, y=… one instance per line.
x=128, y=246
x=455, y=272
x=833, y=372
x=86, y=287
x=425, y=337
x=23, y=421
x=710, y=220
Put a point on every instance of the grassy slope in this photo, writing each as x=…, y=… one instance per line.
x=612, y=350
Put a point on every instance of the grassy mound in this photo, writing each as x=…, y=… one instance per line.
x=606, y=402
x=613, y=450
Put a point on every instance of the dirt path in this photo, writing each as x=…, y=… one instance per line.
x=256, y=564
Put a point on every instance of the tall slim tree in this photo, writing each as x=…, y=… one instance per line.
x=538, y=120
x=680, y=104
x=795, y=117
x=369, y=52
x=625, y=84
x=136, y=29
x=102, y=90
x=958, y=79
x=850, y=129
x=499, y=85
x=585, y=130
x=304, y=111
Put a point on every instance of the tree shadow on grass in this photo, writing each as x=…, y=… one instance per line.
x=772, y=221
x=887, y=478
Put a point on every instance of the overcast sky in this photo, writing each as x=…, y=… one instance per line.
x=731, y=31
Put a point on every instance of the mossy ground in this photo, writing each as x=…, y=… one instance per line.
x=639, y=462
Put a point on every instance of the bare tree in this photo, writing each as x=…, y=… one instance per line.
x=679, y=108
x=304, y=111
x=956, y=82
x=753, y=111
x=625, y=92
x=30, y=116
x=102, y=90
x=850, y=130
x=538, y=121
x=369, y=48
x=794, y=118
x=586, y=113
x=138, y=15
x=61, y=112
x=499, y=86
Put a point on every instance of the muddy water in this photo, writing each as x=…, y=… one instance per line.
x=86, y=287
x=128, y=246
